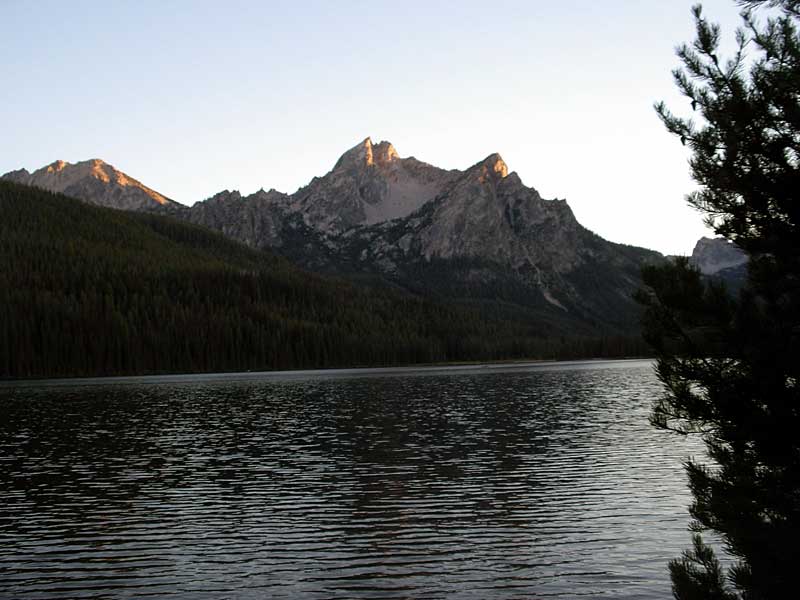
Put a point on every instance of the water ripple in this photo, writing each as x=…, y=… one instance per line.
x=532, y=483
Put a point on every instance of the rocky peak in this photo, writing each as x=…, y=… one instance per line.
x=56, y=166
x=106, y=173
x=383, y=153
x=93, y=181
x=712, y=255
x=17, y=176
x=357, y=156
x=366, y=154
x=224, y=196
x=369, y=184
x=492, y=168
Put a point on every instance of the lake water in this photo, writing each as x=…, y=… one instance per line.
x=515, y=482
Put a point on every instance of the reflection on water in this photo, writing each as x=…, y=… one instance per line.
x=536, y=482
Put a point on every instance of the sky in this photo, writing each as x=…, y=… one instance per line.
x=193, y=97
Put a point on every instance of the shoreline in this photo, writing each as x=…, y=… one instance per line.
x=506, y=366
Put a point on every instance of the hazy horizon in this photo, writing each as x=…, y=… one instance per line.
x=190, y=99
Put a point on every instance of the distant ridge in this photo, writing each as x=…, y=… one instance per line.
x=93, y=181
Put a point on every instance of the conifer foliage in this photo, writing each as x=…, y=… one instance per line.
x=731, y=366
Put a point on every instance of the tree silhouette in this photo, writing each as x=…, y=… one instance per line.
x=730, y=366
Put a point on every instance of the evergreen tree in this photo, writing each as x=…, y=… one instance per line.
x=730, y=366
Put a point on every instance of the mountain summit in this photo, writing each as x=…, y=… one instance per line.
x=712, y=255
x=493, y=167
x=367, y=154
x=93, y=181
x=369, y=184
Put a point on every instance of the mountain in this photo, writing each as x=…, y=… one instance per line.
x=93, y=181
x=721, y=260
x=477, y=237
x=488, y=237
x=712, y=255
x=472, y=236
x=369, y=184
x=86, y=290
x=256, y=220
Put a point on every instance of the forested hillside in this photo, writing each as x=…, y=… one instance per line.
x=93, y=291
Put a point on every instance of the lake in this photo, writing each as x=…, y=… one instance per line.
x=518, y=481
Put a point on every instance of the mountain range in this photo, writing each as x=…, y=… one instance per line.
x=477, y=236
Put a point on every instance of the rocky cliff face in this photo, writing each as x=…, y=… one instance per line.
x=257, y=219
x=93, y=181
x=483, y=213
x=369, y=184
x=486, y=235
x=712, y=255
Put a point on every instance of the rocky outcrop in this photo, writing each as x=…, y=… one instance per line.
x=486, y=213
x=712, y=255
x=257, y=219
x=369, y=184
x=92, y=181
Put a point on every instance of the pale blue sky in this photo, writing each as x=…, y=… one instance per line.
x=194, y=97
